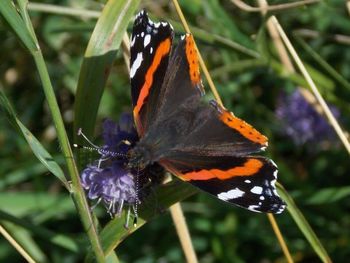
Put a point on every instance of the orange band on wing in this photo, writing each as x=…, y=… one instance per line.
x=243, y=128
x=250, y=167
x=162, y=50
x=192, y=59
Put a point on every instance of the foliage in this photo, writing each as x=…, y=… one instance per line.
x=35, y=206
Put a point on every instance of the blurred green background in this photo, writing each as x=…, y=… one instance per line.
x=35, y=207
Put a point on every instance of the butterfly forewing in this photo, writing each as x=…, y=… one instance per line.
x=150, y=49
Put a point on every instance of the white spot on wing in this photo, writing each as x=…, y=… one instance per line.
x=232, y=194
x=254, y=208
x=257, y=190
x=151, y=50
x=136, y=64
x=147, y=40
x=133, y=41
x=247, y=181
x=273, y=163
x=275, y=173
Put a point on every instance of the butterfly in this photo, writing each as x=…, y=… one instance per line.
x=201, y=143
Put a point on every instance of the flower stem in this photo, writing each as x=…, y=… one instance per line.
x=76, y=190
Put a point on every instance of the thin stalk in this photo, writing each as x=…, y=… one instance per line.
x=280, y=238
x=289, y=67
x=17, y=246
x=183, y=232
x=324, y=64
x=76, y=190
x=332, y=120
x=240, y=4
x=61, y=10
x=308, y=33
x=83, y=13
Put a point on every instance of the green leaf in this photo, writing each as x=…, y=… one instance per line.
x=13, y=18
x=329, y=195
x=303, y=225
x=23, y=172
x=23, y=204
x=39, y=151
x=99, y=56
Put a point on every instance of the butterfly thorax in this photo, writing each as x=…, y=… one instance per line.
x=140, y=156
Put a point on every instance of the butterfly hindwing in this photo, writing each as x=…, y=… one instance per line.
x=248, y=182
x=150, y=48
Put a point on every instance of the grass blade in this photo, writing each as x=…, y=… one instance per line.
x=99, y=56
x=329, y=195
x=39, y=151
x=76, y=189
x=13, y=18
x=331, y=71
x=303, y=225
x=332, y=120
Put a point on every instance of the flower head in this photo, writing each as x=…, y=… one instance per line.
x=301, y=121
x=108, y=179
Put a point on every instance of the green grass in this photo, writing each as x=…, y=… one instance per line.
x=55, y=65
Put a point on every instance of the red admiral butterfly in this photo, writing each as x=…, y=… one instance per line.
x=200, y=143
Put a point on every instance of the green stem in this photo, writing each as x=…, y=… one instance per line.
x=324, y=64
x=77, y=190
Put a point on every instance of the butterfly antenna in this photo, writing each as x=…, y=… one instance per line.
x=136, y=196
x=94, y=147
x=80, y=133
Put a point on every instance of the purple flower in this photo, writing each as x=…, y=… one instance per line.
x=116, y=136
x=300, y=121
x=108, y=179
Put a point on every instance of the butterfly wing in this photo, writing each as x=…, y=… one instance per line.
x=200, y=143
x=189, y=125
x=149, y=55
x=248, y=182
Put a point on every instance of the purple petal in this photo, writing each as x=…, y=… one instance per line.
x=301, y=121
